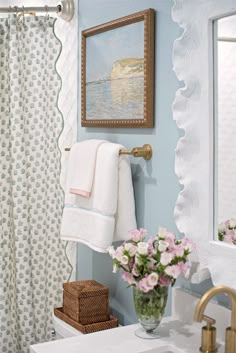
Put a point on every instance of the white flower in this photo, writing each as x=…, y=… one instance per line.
x=151, y=263
x=131, y=249
x=162, y=245
x=135, y=271
x=115, y=268
x=124, y=260
x=111, y=251
x=162, y=232
x=152, y=279
x=222, y=227
x=142, y=248
x=187, y=273
x=232, y=223
x=166, y=258
x=137, y=260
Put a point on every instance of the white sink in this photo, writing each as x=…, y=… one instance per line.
x=164, y=349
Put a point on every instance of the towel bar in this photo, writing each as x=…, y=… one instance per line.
x=145, y=151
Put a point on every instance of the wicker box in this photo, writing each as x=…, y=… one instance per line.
x=86, y=302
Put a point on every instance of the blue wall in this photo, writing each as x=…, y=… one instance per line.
x=155, y=183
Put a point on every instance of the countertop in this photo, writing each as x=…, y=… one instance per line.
x=178, y=337
x=180, y=332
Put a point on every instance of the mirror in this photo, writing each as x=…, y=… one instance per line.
x=224, y=35
x=199, y=207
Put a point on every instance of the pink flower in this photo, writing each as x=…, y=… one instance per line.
x=128, y=277
x=118, y=253
x=144, y=286
x=234, y=236
x=170, y=235
x=173, y=271
x=143, y=232
x=150, y=241
x=183, y=266
x=166, y=258
x=228, y=239
x=227, y=223
x=230, y=236
x=229, y=232
x=138, y=234
x=164, y=282
x=170, y=238
x=187, y=244
x=143, y=262
x=179, y=250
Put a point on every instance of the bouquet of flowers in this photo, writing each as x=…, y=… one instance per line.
x=227, y=231
x=155, y=262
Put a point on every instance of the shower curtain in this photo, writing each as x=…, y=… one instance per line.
x=33, y=264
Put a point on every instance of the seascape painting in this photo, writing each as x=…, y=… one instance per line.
x=115, y=79
x=117, y=72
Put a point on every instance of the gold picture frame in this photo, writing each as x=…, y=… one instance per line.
x=117, y=73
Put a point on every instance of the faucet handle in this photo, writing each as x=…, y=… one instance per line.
x=208, y=320
x=208, y=336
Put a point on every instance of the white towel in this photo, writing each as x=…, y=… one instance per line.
x=109, y=213
x=81, y=164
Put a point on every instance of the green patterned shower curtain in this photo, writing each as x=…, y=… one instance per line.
x=33, y=264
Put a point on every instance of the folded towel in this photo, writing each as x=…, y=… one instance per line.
x=109, y=213
x=82, y=167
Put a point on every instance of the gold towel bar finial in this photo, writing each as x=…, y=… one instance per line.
x=145, y=151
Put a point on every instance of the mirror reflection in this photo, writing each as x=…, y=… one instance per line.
x=225, y=128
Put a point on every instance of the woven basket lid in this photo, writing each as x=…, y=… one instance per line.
x=83, y=289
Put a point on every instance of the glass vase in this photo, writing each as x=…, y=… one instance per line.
x=150, y=308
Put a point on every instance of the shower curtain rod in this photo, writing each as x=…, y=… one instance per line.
x=65, y=9
x=226, y=39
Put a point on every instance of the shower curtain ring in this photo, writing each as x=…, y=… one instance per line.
x=16, y=9
x=23, y=15
x=46, y=13
x=9, y=15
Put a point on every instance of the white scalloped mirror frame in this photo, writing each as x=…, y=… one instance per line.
x=193, y=112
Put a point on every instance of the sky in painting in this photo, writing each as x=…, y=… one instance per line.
x=103, y=49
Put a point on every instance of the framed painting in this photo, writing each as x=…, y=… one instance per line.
x=118, y=73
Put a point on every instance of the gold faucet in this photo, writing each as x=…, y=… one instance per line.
x=208, y=333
